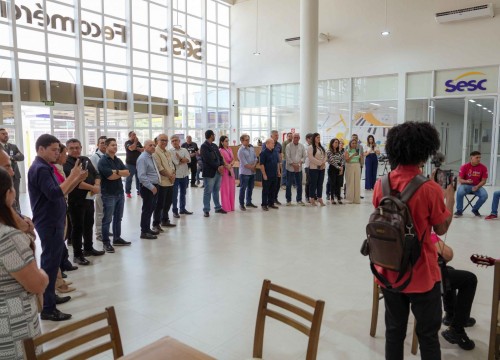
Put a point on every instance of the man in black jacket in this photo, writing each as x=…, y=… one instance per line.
x=213, y=167
x=81, y=204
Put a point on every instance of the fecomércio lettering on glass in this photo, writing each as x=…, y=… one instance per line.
x=192, y=47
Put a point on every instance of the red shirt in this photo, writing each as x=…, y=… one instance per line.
x=476, y=173
x=427, y=209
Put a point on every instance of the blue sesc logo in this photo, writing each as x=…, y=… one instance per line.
x=471, y=85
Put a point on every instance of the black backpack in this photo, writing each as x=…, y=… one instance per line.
x=392, y=242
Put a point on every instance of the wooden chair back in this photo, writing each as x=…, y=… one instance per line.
x=377, y=296
x=494, y=348
x=314, y=317
x=109, y=329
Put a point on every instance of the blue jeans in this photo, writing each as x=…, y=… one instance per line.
x=179, y=184
x=211, y=187
x=494, y=204
x=113, y=211
x=293, y=178
x=284, y=178
x=465, y=189
x=246, y=185
x=128, y=182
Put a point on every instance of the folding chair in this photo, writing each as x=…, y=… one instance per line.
x=469, y=200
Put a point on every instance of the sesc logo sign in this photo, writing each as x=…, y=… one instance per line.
x=467, y=85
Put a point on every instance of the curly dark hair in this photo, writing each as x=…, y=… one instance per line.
x=411, y=143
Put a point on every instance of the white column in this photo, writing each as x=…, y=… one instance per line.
x=309, y=66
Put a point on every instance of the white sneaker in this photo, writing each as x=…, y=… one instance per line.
x=301, y=203
x=289, y=203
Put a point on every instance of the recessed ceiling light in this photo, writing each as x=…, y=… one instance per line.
x=392, y=107
x=256, y=53
x=385, y=33
x=431, y=107
x=479, y=105
x=472, y=100
x=374, y=104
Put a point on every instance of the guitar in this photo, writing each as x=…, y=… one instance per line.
x=482, y=260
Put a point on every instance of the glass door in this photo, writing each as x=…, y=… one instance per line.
x=480, y=120
x=59, y=120
x=448, y=117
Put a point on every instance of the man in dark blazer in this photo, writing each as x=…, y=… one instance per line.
x=15, y=156
x=213, y=167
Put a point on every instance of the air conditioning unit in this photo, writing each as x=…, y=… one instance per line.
x=475, y=12
x=295, y=41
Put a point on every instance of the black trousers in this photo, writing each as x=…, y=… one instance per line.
x=268, y=189
x=427, y=310
x=163, y=205
x=336, y=182
x=307, y=183
x=148, y=206
x=193, y=167
x=457, y=302
x=82, y=224
x=277, y=189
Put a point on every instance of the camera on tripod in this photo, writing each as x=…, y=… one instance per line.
x=441, y=176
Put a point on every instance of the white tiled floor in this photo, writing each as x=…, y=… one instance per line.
x=200, y=282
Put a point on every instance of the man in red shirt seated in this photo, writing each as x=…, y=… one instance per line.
x=429, y=210
x=472, y=177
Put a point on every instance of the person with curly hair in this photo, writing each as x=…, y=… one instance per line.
x=408, y=147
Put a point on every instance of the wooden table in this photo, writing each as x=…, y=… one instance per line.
x=167, y=348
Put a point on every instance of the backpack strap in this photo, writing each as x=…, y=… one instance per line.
x=386, y=185
x=412, y=187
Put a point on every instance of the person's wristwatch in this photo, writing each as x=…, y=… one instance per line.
x=117, y=172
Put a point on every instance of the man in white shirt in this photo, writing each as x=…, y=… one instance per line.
x=295, y=156
x=94, y=159
x=181, y=159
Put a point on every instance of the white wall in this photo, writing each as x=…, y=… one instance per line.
x=416, y=42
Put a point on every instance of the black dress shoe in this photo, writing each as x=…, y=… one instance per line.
x=252, y=206
x=80, y=260
x=206, y=214
x=108, y=248
x=148, y=236
x=277, y=202
x=167, y=224
x=221, y=211
x=55, y=315
x=93, y=252
x=62, y=299
x=68, y=266
x=176, y=216
x=273, y=207
x=185, y=212
x=265, y=208
x=121, y=242
x=153, y=232
x=158, y=229
x=243, y=208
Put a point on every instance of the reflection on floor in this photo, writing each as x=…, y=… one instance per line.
x=200, y=281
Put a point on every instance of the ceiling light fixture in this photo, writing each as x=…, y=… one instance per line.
x=257, y=52
x=374, y=104
x=472, y=101
x=392, y=107
x=479, y=105
x=385, y=32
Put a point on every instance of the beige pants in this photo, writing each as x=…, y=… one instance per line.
x=353, y=182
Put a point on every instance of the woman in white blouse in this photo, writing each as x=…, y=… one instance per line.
x=371, y=162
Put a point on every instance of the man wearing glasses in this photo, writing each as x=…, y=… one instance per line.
x=248, y=163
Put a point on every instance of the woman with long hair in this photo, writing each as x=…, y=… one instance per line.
x=317, y=163
x=335, y=170
x=371, y=162
x=20, y=278
x=227, y=184
x=352, y=172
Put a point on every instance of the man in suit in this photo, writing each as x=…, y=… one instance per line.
x=15, y=156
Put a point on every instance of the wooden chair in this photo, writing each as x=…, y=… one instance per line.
x=377, y=296
x=494, y=349
x=111, y=328
x=314, y=317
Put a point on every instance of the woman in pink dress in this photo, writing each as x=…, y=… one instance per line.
x=227, y=185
